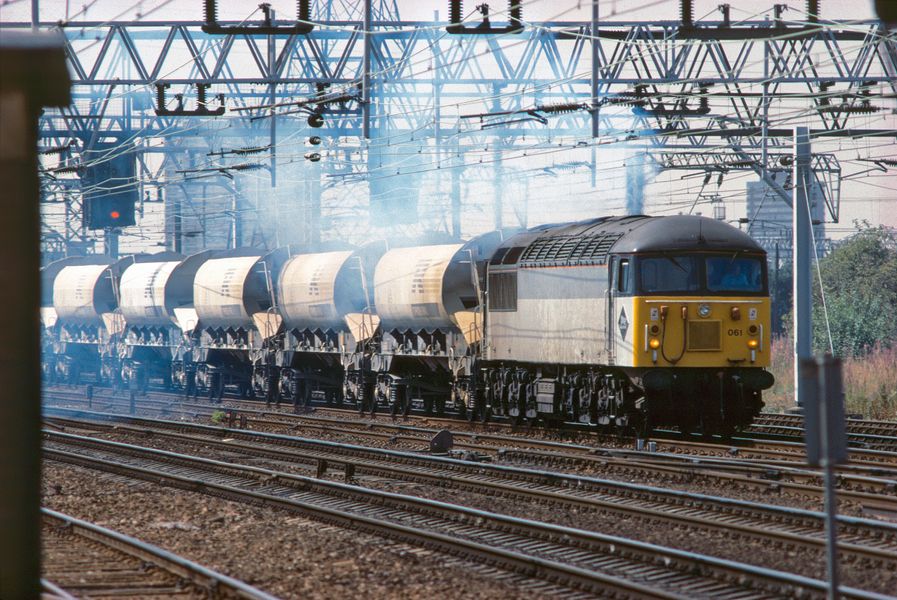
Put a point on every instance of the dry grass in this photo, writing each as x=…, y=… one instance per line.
x=870, y=381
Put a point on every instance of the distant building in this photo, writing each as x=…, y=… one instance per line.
x=770, y=218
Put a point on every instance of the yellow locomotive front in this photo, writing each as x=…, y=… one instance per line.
x=700, y=334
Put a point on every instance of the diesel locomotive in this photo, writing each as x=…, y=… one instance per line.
x=629, y=322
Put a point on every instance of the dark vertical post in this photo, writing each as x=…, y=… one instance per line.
x=826, y=443
x=110, y=242
x=34, y=75
x=835, y=437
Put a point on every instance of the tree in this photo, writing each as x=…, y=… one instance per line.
x=860, y=281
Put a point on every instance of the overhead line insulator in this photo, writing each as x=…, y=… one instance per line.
x=686, y=12
x=213, y=27
x=515, y=19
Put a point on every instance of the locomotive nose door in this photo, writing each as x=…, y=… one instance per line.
x=620, y=314
x=609, y=310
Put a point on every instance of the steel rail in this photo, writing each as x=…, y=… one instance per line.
x=565, y=556
x=875, y=427
x=860, y=538
x=205, y=579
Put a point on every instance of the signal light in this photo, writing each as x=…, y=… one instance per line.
x=314, y=140
x=313, y=157
x=654, y=343
x=316, y=121
x=752, y=344
x=109, y=211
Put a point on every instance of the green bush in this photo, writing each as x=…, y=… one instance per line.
x=860, y=281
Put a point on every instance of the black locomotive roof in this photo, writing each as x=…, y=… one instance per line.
x=590, y=242
x=685, y=232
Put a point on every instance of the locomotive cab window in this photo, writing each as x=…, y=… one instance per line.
x=700, y=274
x=734, y=274
x=669, y=273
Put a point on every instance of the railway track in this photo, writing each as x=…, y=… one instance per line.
x=769, y=452
x=81, y=559
x=574, y=560
x=861, y=539
x=769, y=429
x=861, y=426
x=761, y=423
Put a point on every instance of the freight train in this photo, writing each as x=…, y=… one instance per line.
x=623, y=322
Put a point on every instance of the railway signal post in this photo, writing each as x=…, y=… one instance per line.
x=826, y=442
x=803, y=239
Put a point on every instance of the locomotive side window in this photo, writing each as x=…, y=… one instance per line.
x=670, y=274
x=624, y=276
x=731, y=274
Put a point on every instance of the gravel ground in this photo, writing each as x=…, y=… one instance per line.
x=811, y=564
x=279, y=552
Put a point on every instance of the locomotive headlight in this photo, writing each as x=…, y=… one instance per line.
x=654, y=343
x=704, y=311
x=752, y=344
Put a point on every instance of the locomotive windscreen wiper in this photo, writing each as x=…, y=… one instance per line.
x=675, y=262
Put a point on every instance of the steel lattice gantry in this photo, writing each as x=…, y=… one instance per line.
x=697, y=88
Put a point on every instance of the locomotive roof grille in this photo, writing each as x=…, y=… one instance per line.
x=569, y=250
